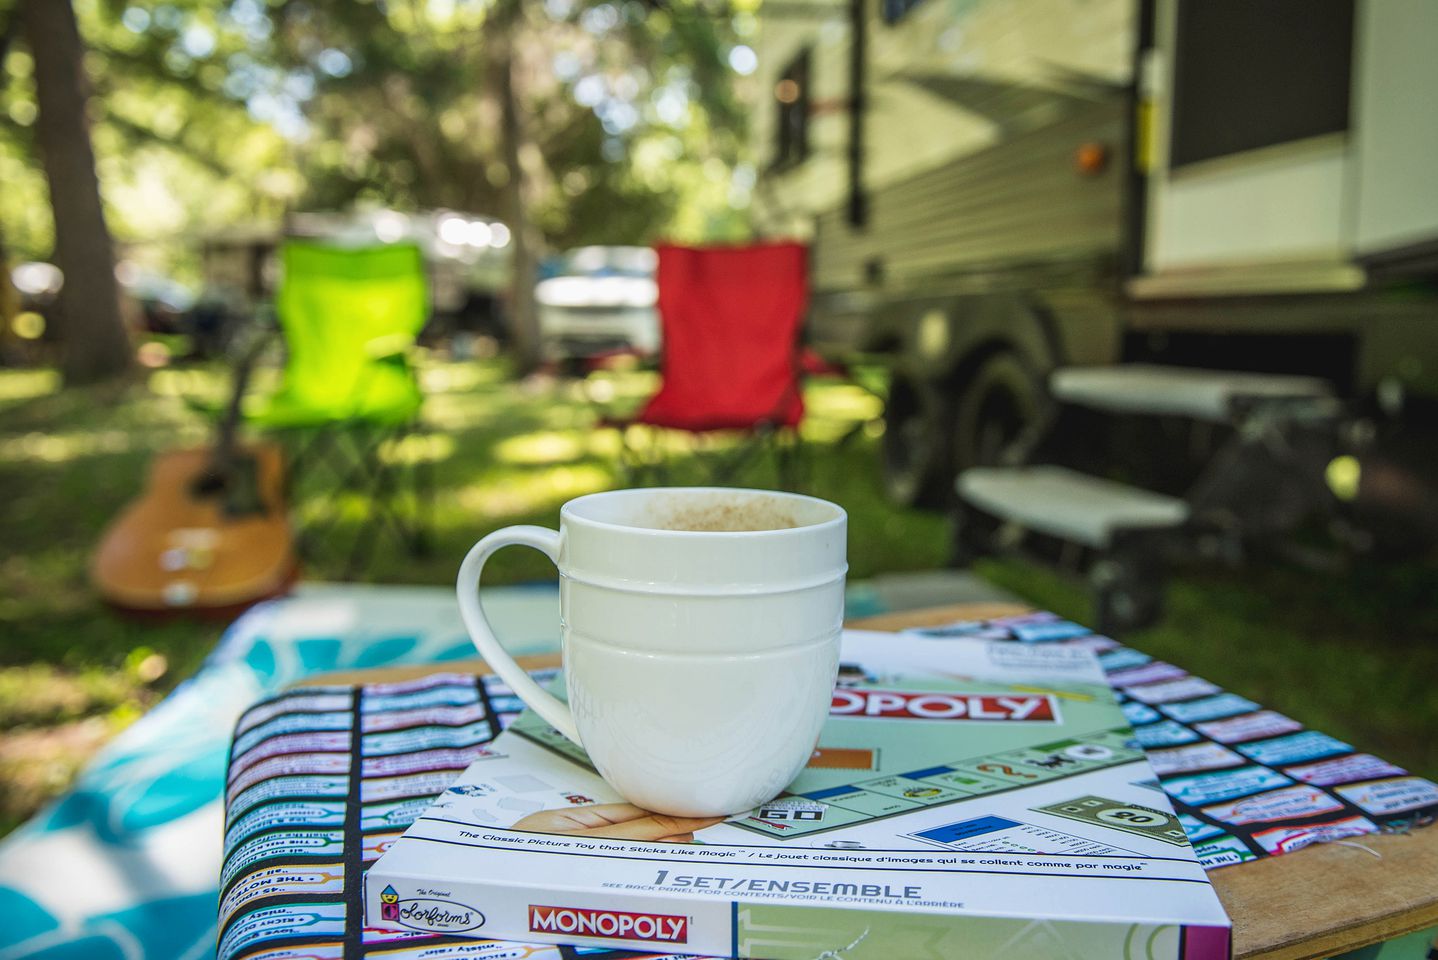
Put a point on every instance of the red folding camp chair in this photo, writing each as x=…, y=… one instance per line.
x=730, y=318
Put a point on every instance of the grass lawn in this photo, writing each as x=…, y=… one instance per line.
x=1354, y=655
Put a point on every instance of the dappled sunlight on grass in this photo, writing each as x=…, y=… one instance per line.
x=16, y=385
x=459, y=377
x=41, y=693
x=189, y=382
x=554, y=413
x=819, y=430
x=605, y=444
x=449, y=412
x=619, y=387
x=60, y=447
x=677, y=443
x=835, y=411
x=842, y=401
x=418, y=448
x=345, y=508
x=515, y=496
x=537, y=449
x=567, y=446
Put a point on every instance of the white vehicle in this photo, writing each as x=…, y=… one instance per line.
x=603, y=299
x=468, y=258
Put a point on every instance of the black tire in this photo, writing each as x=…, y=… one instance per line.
x=915, y=449
x=933, y=432
x=996, y=404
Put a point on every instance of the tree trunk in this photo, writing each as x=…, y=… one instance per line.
x=523, y=310
x=9, y=301
x=95, y=346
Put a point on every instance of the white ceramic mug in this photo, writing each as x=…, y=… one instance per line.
x=700, y=659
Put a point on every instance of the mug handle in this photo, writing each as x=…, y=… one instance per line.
x=554, y=711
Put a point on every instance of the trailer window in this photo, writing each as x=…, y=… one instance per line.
x=1250, y=75
x=791, y=95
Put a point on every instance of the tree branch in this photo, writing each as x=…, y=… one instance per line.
x=143, y=133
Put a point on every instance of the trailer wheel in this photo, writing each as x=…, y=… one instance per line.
x=915, y=449
x=995, y=405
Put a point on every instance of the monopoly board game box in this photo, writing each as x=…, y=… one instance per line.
x=965, y=798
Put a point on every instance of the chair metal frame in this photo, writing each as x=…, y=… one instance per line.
x=723, y=461
x=352, y=448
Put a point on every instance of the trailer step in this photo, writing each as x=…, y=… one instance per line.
x=1064, y=503
x=1215, y=395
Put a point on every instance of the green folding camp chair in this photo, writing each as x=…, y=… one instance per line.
x=349, y=317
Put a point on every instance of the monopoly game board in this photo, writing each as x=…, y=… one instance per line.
x=988, y=792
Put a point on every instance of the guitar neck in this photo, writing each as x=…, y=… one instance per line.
x=226, y=446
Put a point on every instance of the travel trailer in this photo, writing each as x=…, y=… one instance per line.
x=1155, y=279
x=998, y=188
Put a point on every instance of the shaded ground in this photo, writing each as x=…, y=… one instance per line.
x=1353, y=654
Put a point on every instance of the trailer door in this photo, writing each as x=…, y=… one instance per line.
x=1248, y=181
x=1396, y=130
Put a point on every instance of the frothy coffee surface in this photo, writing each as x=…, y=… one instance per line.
x=726, y=515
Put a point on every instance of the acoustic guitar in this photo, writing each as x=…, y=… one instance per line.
x=210, y=534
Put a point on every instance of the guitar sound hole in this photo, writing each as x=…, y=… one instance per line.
x=209, y=484
x=237, y=487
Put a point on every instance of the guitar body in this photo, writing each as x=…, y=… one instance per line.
x=198, y=542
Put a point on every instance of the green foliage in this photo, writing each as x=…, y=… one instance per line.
x=217, y=112
x=177, y=156
x=24, y=223
x=405, y=112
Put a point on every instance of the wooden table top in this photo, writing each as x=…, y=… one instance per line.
x=1307, y=905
